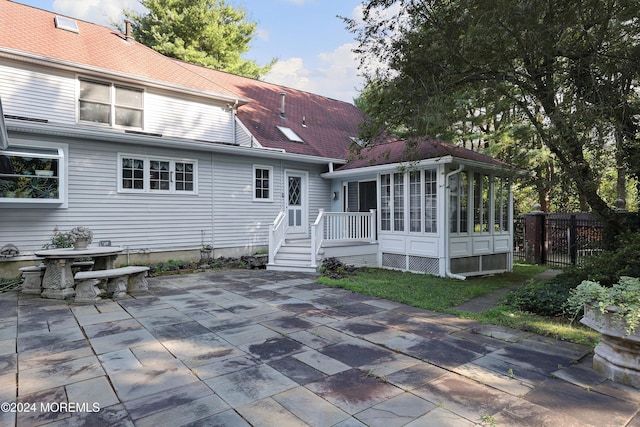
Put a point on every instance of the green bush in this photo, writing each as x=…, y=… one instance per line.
x=607, y=267
x=543, y=298
x=549, y=298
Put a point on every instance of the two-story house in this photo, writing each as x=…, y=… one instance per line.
x=162, y=157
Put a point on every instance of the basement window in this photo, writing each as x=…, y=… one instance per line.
x=67, y=24
x=290, y=134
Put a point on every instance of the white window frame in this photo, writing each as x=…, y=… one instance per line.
x=147, y=174
x=271, y=183
x=23, y=149
x=112, y=103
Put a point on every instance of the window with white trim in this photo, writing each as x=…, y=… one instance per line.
x=32, y=174
x=154, y=174
x=262, y=183
x=110, y=104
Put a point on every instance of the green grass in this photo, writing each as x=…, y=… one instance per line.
x=426, y=291
x=443, y=294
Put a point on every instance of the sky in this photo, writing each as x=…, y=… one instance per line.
x=311, y=44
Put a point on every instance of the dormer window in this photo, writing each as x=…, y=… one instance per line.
x=290, y=134
x=111, y=104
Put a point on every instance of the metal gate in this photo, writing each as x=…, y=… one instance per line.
x=565, y=238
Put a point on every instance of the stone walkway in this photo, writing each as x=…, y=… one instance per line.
x=258, y=348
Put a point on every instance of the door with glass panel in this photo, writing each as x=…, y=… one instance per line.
x=296, y=199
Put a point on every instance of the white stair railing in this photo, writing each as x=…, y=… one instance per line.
x=342, y=227
x=277, y=234
x=317, y=237
x=349, y=226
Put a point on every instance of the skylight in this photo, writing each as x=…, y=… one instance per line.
x=67, y=24
x=290, y=134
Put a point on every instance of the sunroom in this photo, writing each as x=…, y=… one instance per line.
x=434, y=207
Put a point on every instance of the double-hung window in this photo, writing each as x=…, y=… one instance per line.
x=262, y=183
x=152, y=174
x=32, y=174
x=110, y=104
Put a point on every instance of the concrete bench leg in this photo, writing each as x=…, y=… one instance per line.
x=32, y=283
x=137, y=283
x=88, y=291
x=117, y=287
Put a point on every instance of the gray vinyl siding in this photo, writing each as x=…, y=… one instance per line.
x=187, y=118
x=138, y=221
x=25, y=92
x=240, y=221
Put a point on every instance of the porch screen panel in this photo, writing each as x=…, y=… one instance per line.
x=458, y=202
x=501, y=202
x=486, y=200
x=480, y=203
x=430, y=201
x=464, y=202
x=398, y=202
x=454, y=203
x=385, y=202
x=415, y=202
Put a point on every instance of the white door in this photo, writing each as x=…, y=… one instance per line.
x=297, y=202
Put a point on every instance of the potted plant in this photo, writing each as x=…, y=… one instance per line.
x=614, y=312
x=205, y=252
x=80, y=237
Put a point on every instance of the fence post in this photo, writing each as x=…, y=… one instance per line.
x=573, y=240
x=534, y=236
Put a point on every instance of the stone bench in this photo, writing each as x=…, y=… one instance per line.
x=32, y=283
x=33, y=275
x=116, y=283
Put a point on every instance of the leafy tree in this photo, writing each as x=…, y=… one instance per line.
x=206, y=32
x=553, y=74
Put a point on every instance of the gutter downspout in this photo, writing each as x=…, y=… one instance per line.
x=447, y=241
x=233, y=123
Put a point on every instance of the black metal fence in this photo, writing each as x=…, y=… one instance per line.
x=566, y=238
x=518, y=238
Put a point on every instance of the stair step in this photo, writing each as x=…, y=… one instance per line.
x=296, y=268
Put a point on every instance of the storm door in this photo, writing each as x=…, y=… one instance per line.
x=296, y=202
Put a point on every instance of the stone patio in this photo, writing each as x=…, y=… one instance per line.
x=260, y=348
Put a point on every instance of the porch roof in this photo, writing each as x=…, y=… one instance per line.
x=405, y=151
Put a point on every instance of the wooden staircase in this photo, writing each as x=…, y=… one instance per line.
x=294, y=255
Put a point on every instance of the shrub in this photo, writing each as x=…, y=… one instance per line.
x=543, y=298
x=607, y=267
x=549, y=298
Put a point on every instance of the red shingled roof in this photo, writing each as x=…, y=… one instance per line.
x=398, y=151
x=29, y=30
x=326, y=125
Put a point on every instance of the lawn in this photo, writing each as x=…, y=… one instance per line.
x=443, y=294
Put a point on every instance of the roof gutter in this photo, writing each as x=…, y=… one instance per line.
x=384, y=168
x=473, y=164
x=75, y=132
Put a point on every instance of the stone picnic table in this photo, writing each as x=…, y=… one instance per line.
x=58, y=282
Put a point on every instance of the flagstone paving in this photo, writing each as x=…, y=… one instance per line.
x=259, y=348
